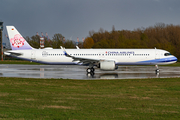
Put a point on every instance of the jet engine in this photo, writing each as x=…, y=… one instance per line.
x=107, y=65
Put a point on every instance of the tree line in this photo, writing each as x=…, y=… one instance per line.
x=161, y=36
x=56, y=41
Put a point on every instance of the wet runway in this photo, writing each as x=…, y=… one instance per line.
x=79, y=72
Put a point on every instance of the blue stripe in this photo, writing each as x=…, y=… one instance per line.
x=171, y=59
x=150, y=62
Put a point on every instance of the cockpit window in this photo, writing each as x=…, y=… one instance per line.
x=167, y=54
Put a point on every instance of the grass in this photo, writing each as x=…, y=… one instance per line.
x=18, y=62
x=23, y=98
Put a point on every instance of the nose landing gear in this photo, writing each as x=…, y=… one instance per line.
x=157, y=69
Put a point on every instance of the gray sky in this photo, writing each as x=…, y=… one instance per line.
x=75, y=18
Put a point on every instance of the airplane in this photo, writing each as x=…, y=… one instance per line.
x=104, y=59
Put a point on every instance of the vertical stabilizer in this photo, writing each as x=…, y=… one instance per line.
x=17, y=42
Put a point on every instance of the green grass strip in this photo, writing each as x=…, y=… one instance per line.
x=18, y=62
x=23, y=98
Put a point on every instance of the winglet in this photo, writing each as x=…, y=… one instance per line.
x=62, y=48
x=77, y=47
x=65, y=53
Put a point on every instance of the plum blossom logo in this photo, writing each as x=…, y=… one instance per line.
x=17, y=41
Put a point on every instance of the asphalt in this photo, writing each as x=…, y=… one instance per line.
x=79, y=72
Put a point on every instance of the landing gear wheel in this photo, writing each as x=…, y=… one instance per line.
x=90, y=75
x=157, y=71
x=90, y=70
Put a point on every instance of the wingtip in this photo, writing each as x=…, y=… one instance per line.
x=65, y=53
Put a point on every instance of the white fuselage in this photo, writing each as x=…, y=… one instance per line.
x=120, y=56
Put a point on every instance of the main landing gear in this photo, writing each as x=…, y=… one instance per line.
x=157, y=69
x=90, y=71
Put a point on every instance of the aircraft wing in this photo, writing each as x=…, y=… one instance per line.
x=86, y=60
x=82, y=60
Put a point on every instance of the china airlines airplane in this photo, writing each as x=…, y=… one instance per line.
x=105, y=59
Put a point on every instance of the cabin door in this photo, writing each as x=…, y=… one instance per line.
x=157, y=55
x=33, y=54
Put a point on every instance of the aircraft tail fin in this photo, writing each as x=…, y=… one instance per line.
x=17, y=42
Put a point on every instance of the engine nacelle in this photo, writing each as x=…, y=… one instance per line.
x=107, y=65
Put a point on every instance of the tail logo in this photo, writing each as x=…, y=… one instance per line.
x=17, y=41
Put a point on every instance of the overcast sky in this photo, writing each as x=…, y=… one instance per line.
x=75, y=18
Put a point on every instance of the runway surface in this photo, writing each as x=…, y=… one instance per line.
x=79, y=72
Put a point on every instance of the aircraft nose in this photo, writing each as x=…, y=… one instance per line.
x=174, y=58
